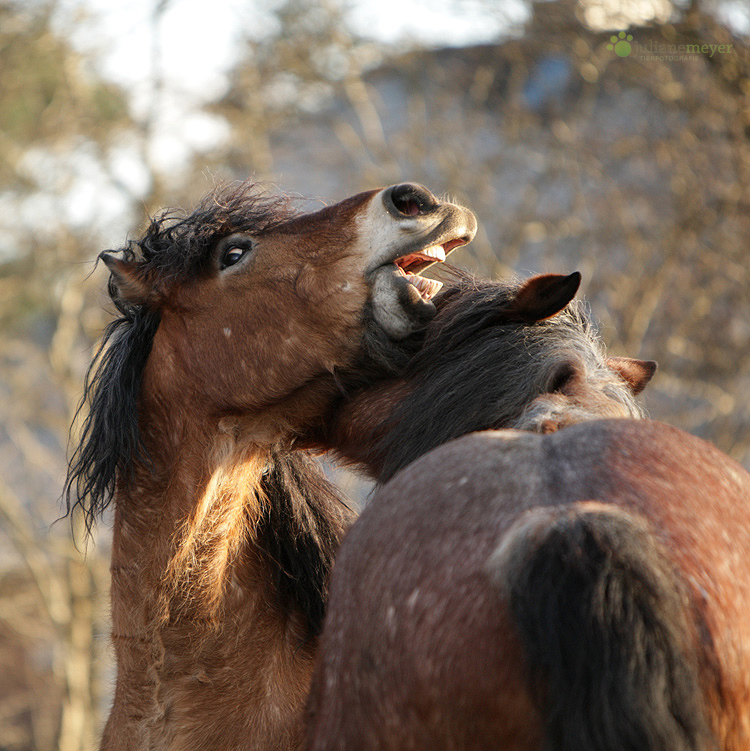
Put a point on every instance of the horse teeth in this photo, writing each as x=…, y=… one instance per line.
x=427, y=288
x=436, y=251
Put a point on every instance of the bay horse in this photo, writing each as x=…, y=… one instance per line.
x=235, y=323
x=575, y=585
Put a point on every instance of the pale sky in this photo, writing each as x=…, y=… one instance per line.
x=199, y=40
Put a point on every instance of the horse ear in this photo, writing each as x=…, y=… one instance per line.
x=128, y=281
x=636, y=373
x=544, y=296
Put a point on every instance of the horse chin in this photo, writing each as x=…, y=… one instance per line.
x=398, y=306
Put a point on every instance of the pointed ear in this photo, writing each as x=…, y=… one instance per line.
x=128, y=282
x=544, y=296
x=636, y=373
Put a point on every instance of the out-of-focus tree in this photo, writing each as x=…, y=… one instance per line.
x=55, y=115
x=645, y=184
x=308, y=65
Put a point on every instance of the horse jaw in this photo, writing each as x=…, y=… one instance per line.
x=397, y=306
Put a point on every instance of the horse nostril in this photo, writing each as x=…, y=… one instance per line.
x=408, y=199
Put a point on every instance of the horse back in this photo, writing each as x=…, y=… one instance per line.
x=420, y=636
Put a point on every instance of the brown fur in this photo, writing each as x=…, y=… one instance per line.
x=421, y=649
x=586, y=589
x=223, y=533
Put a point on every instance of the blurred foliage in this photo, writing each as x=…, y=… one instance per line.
x=52, y=109
x=634, y=170
x=297, y=71
x=46, y=94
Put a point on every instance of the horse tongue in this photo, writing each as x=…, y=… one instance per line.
x=433, y=254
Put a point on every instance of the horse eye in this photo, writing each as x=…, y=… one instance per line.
x=232, y=256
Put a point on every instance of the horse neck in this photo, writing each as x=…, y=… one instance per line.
x=386, y=427
x=362, y=425
x=221, y=554
x=222, y=515
x=181, y=519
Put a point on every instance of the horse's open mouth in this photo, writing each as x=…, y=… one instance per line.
x=415, y=231
x=412, y=265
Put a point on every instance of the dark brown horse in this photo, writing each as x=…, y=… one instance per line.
x=584, y=589
x=497, y=355
x=235, y=324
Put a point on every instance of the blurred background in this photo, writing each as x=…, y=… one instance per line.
x=627, y=159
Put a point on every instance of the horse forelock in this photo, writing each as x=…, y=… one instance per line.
x=177, y=246
x=598, y=392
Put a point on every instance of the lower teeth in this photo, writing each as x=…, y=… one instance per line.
x=427, y=288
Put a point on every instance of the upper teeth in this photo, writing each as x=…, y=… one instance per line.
x=436, y=251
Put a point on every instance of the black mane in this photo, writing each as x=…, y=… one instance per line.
x=175, y=247
x=474, y=370
x=305, y=519
x=469, y=369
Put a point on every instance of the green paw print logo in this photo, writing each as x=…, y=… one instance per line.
x=621, y=44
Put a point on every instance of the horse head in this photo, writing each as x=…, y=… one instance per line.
x=254, y=303
x=496, y=355
x=240, y=315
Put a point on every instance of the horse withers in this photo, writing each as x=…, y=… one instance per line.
x=235, y=324
x=580, y=584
